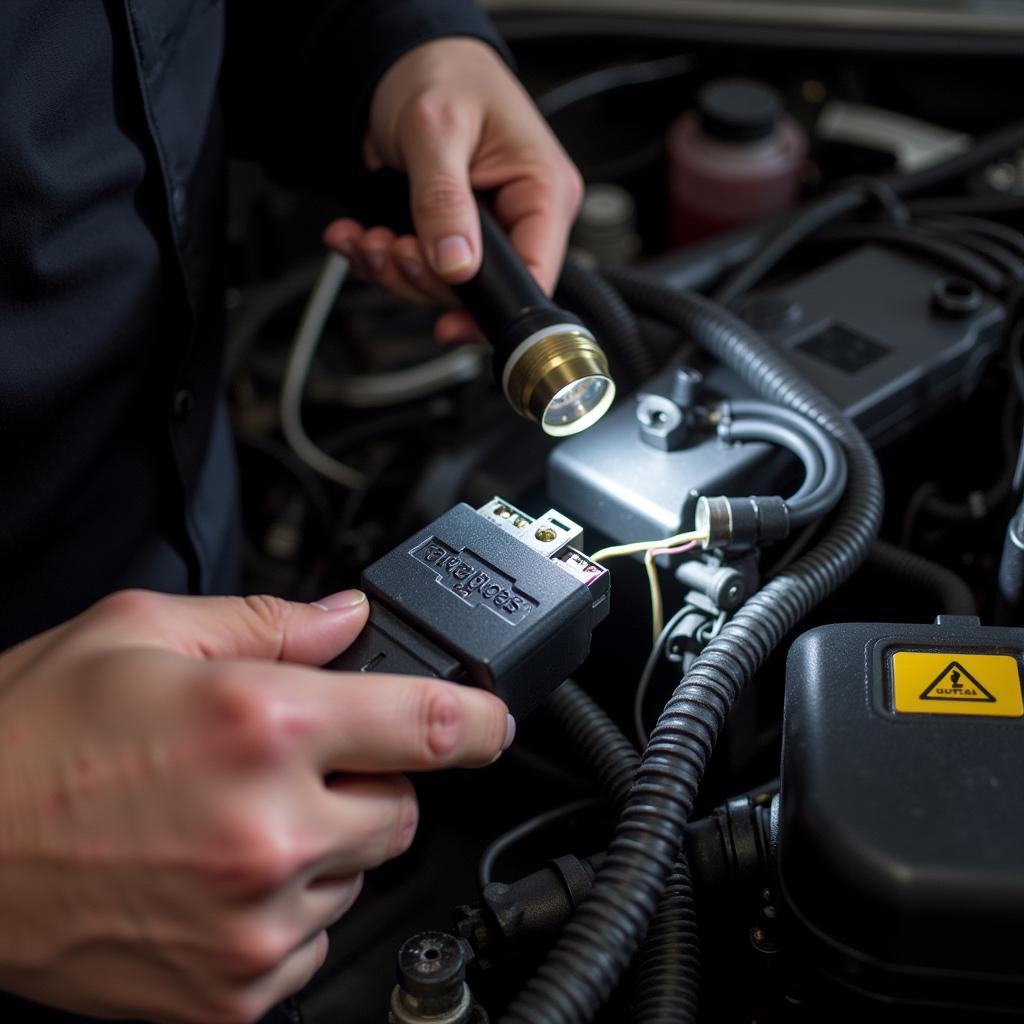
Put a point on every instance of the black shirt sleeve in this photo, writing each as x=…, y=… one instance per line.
x=298, y=78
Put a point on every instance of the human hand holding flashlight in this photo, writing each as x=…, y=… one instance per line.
x=452, y=116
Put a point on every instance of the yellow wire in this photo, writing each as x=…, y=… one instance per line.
x=646, y=547
x=657, y=609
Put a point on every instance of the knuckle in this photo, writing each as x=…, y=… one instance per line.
x=440, y=723
x=406, y=822
x=545, y=188
x=265, y=868
x=432, y=115
x=242, y=719
x=323, y=947
x=354, y=891
x=129, y=604
x=258, y=856
x=347, y=895
x=271, y=615
x=377, y=238
x=442, y=193
x=255, y=951
x=233, y=1006
x=574, y=188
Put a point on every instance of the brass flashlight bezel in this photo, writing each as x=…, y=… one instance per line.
x=548, y=362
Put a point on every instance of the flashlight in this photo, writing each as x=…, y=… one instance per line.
x=549, y=366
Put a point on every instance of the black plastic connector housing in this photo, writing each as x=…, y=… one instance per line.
x=731, y=854
x=475, y=598
x=901, y=834
x=526, y=916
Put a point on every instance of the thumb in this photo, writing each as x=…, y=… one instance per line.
x=443, y=205
x=238, y=627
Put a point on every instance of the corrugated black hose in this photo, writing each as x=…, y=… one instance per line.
x=601, y=940
x=613, y=322
x=951, y=594
x=666, y=984
x=596, y=739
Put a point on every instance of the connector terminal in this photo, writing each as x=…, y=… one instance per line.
x=549, y=534
x=577, y=564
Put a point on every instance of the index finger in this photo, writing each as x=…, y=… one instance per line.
x=385, y=723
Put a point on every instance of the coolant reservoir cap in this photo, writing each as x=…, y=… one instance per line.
x=739, y=109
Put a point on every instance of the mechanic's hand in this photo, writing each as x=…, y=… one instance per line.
x=452, y=115
x=169, y=849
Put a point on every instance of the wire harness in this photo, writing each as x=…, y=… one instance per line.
x=598, y=945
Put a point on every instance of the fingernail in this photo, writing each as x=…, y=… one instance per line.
x=510, y=734
x=375, y=259
x=344, y=600
x=451, y=254
x=412, y=269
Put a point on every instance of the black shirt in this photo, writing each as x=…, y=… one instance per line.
x=111, y=243
x=115, y=462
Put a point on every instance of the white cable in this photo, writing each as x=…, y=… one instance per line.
x=307, y=337
x=370, y=390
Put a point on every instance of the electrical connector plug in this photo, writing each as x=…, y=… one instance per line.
x=488, y=596
x=741, y=522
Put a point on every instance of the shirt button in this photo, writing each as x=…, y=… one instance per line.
x=183, y=404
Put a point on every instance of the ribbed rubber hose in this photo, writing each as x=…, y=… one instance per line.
x=598, y=944
x=596, y=739
x=951, y=594
x=614, y=324
x=666, y=981
x=666, y=984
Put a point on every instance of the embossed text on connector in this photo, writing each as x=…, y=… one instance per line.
x=474, y=580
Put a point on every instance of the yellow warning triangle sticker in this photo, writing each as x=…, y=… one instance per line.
x=955, y=683
x=969, y=684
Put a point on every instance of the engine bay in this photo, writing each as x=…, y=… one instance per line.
x=784, y=571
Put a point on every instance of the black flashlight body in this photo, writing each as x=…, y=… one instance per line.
x=503, y=297
x=549, y=366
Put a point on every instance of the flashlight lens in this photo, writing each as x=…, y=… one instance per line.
x=579, y=404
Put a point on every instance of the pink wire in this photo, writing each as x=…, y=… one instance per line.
x=655, y=552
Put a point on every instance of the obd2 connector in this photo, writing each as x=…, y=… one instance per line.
x=490, y=597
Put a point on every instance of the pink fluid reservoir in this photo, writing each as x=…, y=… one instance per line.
x=735, y=157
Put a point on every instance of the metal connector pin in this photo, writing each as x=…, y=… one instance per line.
x=549, y=534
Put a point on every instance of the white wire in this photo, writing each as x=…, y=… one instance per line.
x=1018, y=472
x=307, y=337
x=648, y=673
x=368, y=390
